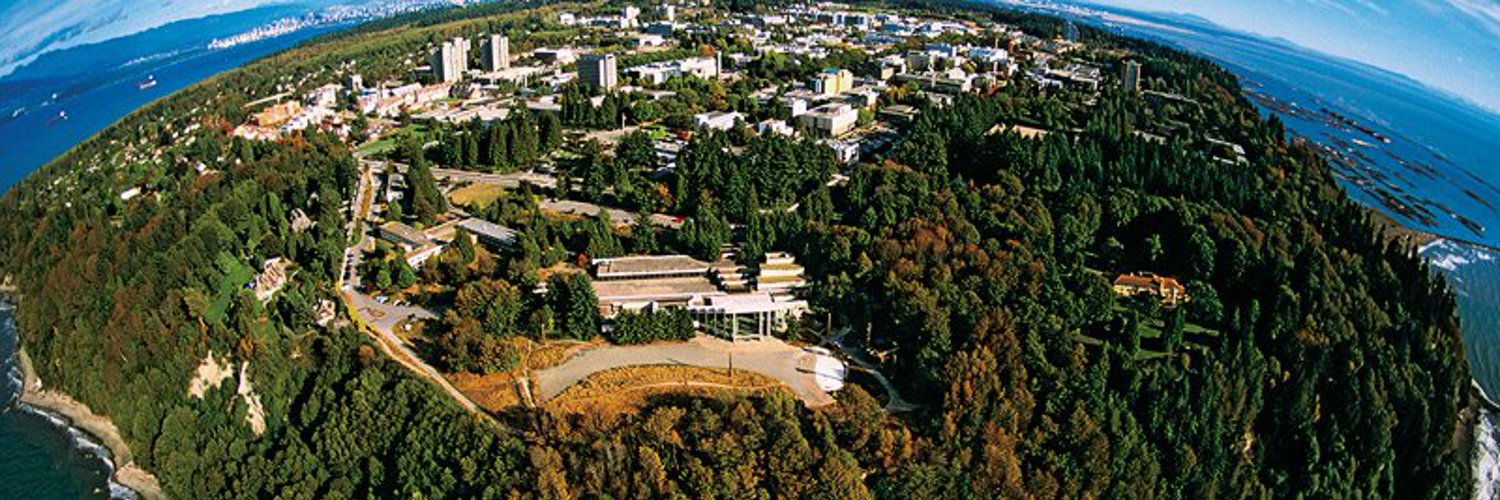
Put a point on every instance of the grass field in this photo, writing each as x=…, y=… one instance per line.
x=629, y=389
x=235, y=276
x=386, y=144
x=476, y=195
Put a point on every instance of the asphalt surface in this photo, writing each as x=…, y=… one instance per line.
x=789, y=364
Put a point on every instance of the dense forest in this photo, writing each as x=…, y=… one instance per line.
x=1316, y=359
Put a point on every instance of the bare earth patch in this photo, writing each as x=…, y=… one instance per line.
x=210, y=375
x=255, y=414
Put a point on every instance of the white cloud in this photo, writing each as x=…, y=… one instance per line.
x=1484, y=13
x=33, y=27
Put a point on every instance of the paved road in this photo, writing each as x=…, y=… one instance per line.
x=791, y=365
x=381, y=329
x=384, y=317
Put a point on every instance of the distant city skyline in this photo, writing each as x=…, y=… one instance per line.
x=1453, y=45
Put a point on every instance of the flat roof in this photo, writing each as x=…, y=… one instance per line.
x=659, y=289
x=404, y=232
x=489, y=229
x=624, y=267
x=745, y=303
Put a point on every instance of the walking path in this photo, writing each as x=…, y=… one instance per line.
x=774, y=358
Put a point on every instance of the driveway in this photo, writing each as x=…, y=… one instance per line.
x=385, y=317
x=774, y=358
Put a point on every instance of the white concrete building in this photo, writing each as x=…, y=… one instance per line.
x=497, y=53
x=746, y=317
x=717, y=120
x=830, y=120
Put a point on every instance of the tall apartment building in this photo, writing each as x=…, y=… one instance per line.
x=599, y=70
x=451, y=60
x=496, y=53
x=1131, y=82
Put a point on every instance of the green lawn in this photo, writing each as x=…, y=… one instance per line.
x=234, y=276
x=388, y=142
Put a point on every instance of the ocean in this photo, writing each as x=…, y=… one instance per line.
x=1424, y=157
x=41, y=457
x=66, y=96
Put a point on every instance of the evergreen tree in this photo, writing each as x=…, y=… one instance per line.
x=465, y=244
x=576, y=307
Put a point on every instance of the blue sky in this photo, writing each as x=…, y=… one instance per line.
x=29, y=28
x=1452, y=45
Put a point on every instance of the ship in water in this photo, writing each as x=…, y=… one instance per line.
x=61, y=116
x=149, y=82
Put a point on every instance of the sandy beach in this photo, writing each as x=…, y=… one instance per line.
x=126, y=472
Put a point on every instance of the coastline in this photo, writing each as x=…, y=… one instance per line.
x=126, y=472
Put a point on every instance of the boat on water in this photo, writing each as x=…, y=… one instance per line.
x=62, y=115
x=149, y=82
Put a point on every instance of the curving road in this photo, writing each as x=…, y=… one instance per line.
x=789, y=364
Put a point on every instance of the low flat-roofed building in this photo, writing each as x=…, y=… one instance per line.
x=717, y=120
x=937, y=100
x=553, y=56
x=862, y=97
x=642, y=293
x=725, y=299
x=780, y=272
x=417, y=244
x=417, y=256
x=649, y=266
x=773, y=126
x=936, y=83
x=845, y=152
x=406, y=236
x=746, y=317
x=489, y=233
x=899, y=113
x=658, y=73
x=647, y=40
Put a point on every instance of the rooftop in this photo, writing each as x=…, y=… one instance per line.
x=405, y=233
x=488, y=229
x=656, y=289
x=650, y=265
x=745, y=303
